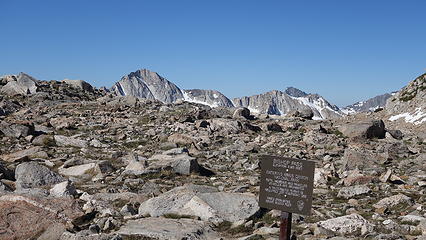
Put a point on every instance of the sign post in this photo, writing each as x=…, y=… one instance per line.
x=286, y=184
x=285, y=226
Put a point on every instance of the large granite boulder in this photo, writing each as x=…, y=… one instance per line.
x=17, y=129
x=365, y=129
x=172, y=201
x=203, y=202
x=23, y=85
x=24, y=217
x=182, y=164
x=83, y=85
x=32, y=174
x=24, y=155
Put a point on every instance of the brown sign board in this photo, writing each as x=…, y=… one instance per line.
x=286, y=184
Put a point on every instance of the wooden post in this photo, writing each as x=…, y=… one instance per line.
x=285, y=227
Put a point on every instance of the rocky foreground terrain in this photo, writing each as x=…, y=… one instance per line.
x=78, y=162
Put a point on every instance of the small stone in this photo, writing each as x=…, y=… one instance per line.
x=63, y=189
x=348, y=224
x=349, y=192
x=128, y=210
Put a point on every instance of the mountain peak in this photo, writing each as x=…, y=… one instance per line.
x=294, y=92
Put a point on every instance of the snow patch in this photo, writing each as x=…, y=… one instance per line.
x=253, y=110
x=188, y=98
x=215, y=95
x=348, y=111
x=418, y=117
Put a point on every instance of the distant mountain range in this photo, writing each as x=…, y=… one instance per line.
x=144, y=83
x=147, y=84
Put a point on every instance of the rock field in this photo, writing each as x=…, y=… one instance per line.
x=78, y=162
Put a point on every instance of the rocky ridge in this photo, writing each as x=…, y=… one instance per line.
x=369, y=105
x=408, y=105
x=282, y=103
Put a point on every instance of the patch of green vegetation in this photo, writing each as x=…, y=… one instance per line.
x=223, y=226
x=176, y=216
x=338, y=133
x=240, y=230
x=269, y=219
x=119, y=203
x=407, y=97
x=143, y=120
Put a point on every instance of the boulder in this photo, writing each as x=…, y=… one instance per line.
x=182, y=139
x=172, y=201
x=365, y=129
x=350, y=192
x=6, y=173
x=44, y=140
x=305, y=113
x=4, y=188
x=397, y=134
x=63, y=189
x=53, y=232
x=225, y=126
x=24, y=155
x=23, y=85
x=273, y=127
x=203, y=202
x=321, y=177
x=360, y=158
x=24, y=217
x=347, y=225
x=393, y=201
x=221, y=206
x=64, y=141
x=83, y=85
x=31, y=174
x=7, y=107
x=17, y=129
x=167, y=229
x=86, y=170
x=241, y=113
x=354, y=177
x=135, y=164
x=181, y=164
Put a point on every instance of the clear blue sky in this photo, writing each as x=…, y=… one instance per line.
x=344, y=50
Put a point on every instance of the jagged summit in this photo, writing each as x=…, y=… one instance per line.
x=144, y=83
x=294, y=92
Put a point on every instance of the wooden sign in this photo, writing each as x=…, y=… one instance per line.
x=286, y=184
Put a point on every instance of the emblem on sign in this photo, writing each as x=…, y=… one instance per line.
x=300, y=205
